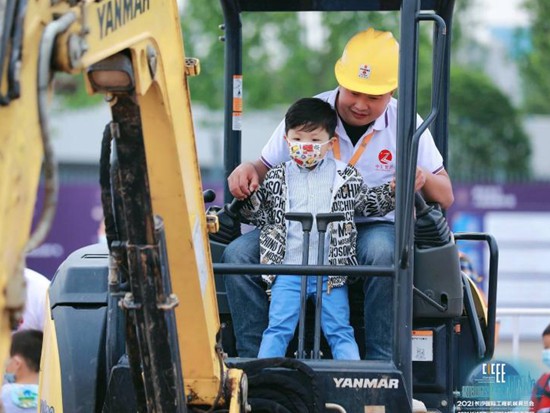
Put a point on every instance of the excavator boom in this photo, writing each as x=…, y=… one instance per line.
x=132, y=52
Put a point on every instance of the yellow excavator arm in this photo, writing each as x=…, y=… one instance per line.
x=132, y=52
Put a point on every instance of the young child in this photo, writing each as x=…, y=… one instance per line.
x=20, y=389
x=541, y=392
x=311, y=182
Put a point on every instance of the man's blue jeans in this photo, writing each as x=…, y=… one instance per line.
x=249, y=305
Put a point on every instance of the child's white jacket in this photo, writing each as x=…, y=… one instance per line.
x=266, y=209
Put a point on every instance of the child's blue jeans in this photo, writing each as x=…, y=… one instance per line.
x=284, y=313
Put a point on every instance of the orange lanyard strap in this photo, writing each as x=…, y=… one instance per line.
x=357, y=154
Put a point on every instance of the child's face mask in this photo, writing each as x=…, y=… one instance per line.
x=9, y=377
x=546, y=356
x=308, y=147
x=307, y=154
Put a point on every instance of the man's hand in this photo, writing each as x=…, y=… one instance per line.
x=420, y=179
x=243, y=180
x=435, y=187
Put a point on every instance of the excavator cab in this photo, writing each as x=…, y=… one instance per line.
x=443, y=328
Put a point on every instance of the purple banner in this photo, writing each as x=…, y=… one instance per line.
x=506, y=197
x=76, y=224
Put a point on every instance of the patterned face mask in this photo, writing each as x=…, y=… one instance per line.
x=306, y=154
x=9, y=377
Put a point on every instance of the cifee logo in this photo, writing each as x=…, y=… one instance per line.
x=385, y=156
x=496, y=370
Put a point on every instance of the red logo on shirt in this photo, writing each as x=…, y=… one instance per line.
x=385, y=156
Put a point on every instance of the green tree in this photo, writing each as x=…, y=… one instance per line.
x=201, y=22
x=486, y=139
x=280, y=65
x=535, y=61
x=272, y=43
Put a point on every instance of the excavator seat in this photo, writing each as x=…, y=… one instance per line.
x=437, y=276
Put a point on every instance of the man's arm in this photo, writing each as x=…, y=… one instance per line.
x=246, y=178
x=435, y=187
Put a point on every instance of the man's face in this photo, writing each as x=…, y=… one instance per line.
x=359, y=109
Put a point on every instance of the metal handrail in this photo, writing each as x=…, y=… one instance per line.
x=356, y=270
x=522, y=311
x=516, y=313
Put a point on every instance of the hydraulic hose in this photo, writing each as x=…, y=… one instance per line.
x=51, y=185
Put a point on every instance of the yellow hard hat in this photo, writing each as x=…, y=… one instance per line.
x=369, y=63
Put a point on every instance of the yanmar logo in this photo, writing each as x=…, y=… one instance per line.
x=364, y=383
x=114, y=14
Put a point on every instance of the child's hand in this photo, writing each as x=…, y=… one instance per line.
x=392, y=184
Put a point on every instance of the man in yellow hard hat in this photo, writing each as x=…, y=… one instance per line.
x=367, y=75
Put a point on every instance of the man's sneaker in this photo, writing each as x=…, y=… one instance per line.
x=419, y=407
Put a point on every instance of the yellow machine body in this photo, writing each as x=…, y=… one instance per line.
x=149, y=32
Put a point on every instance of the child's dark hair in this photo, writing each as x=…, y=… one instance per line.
x=546, y=331
x=27, y=344
x=308, y=114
